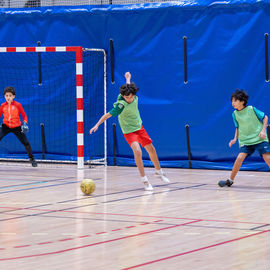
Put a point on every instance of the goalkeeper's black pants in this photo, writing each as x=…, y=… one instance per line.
x=17, y=131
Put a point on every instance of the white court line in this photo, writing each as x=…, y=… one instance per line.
x=250, y=232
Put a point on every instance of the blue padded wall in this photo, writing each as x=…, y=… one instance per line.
x=225, y=51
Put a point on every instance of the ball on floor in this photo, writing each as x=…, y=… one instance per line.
x=88, y=186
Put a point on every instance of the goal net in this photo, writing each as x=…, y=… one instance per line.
x=63, y=92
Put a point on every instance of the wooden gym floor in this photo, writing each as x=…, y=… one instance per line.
x=47, y=223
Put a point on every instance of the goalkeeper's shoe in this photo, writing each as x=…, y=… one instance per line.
x=33, y=162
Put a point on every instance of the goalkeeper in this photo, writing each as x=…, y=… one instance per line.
x=12, y=123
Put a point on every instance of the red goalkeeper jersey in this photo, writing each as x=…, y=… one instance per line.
x=11, y=114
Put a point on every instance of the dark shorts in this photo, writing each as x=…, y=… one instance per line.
x=262, y=148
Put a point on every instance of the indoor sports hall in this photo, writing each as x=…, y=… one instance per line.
x=82, y=82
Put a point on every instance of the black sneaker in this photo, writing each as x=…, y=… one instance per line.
x=223, y=183
x=33, y=162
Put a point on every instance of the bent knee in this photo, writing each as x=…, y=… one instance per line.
x=137, y=152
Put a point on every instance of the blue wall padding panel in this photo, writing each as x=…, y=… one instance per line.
x=225, y=51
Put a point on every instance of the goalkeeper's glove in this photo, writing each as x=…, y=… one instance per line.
x=25, y=128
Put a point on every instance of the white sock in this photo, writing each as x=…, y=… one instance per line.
x=144, y=178
x=160, y=172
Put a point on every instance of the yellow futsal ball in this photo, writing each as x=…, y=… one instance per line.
x=88, y=186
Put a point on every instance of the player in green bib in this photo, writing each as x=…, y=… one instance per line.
x=126, y=108
x=250, y=124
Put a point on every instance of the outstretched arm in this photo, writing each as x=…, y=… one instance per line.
x=100, y=121
x=263, y=131
x=128, y=77
x=233, y=141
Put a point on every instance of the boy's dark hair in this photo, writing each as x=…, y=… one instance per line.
x=240, y=95
x=127, y=89
x=9, y=89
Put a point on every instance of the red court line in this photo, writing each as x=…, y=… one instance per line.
x=66, y=239
x=130, y=215
x=194, y=250
x=22, y=246
x=83, y=236
x=97, y=243
x=116, y=230
x=165, y=217
x=45, y=243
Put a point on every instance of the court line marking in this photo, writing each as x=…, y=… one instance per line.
x=152, y=193
x=258, y=227
x=90, y=219
x=38, y=214
x=194, y=250
x=109, y=202
x=132, y=226
x=26, y=184
x=123, y=192
x=141, y=195
x=37, y=178
x=97, y=243
x=244, y=230
x=159, y=217
x=61, y=184
x=47, y=211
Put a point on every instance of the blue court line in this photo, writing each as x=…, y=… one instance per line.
x=152, y=223
x=126, y=221
x=16, y=190
x=120, y=192
x=70, y=208
x=14, y=210
x=255, y=228
x=52, y=180
x=96, y=219
x=87, y=197
x=48, y=181
x=154, y=193
x=223, y=227
x=72, y=200
x=33, y=182
x=76, y=207
x=48, y=212
x=21, y=185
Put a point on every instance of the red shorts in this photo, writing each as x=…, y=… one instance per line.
x=139, y=136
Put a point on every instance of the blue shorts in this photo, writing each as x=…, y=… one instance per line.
x=262, y=148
